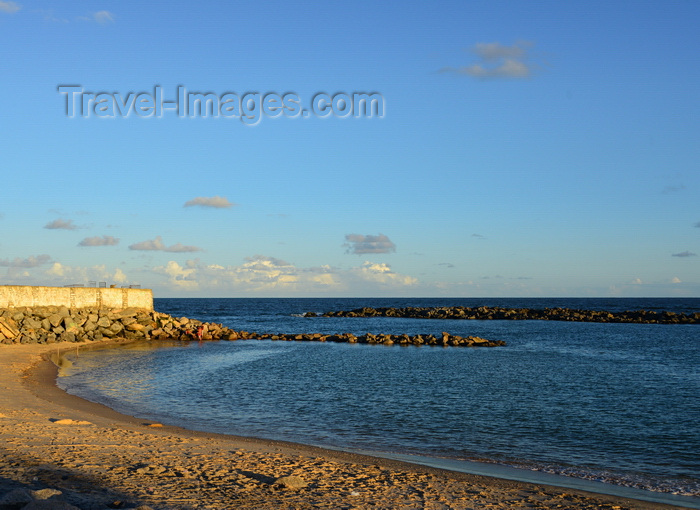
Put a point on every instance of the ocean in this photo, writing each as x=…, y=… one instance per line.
x=613, y=404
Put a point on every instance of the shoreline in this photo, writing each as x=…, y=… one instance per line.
x=246, y=467
x=485, y=467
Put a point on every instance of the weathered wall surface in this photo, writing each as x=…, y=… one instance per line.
x=13, y=296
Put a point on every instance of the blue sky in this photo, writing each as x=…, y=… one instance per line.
x=523, y=148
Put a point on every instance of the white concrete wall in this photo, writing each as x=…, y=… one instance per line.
x=12, y=296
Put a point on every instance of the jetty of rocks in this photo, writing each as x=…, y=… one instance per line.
x=444, y=339
x=499, y=313
x=50, y=324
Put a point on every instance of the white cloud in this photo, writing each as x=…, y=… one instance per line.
x=9, y=7
x=151, y=245
x=359, y=245
x=28, y=262
x=119, y=276
x=99, y=241
x=216, y=202
x=57, y=269
x=509, y=68
x=103, y=17
x=61, y=224
x=675, y=279
x=61, y=274
x=262, y=275
x=382, y=273
x=157, y=245
x=497, y=61
x=178, y=276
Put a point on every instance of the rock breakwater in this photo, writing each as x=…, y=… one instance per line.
x=46, y=325
x=51, y=324
x=499, y=313
x=444, y=339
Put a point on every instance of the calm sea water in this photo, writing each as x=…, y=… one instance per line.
x=617, y=403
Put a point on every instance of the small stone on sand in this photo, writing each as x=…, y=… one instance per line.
x=68, y=421
x=290, y=482
x=43, y=494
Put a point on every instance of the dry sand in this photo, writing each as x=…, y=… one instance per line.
x=101, y=459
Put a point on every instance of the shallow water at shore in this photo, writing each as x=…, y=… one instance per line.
x=612, y=402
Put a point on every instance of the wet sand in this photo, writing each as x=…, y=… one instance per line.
x=100, y=459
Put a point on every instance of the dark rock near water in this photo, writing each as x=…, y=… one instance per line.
x=499, y=313
x=15, y=499
x=51, y=324
x=445, y=339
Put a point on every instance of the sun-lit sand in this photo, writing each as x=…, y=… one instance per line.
x=98, y=458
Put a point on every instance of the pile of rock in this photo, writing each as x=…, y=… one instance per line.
x=51, y=324
x=445, y=339
x=500, y=313
x=46, y=325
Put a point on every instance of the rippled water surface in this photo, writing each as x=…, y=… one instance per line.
x=612, y=402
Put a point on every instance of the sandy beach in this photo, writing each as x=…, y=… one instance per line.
x=100, y=459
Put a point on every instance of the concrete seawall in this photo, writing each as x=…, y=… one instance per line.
x=13, y=296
